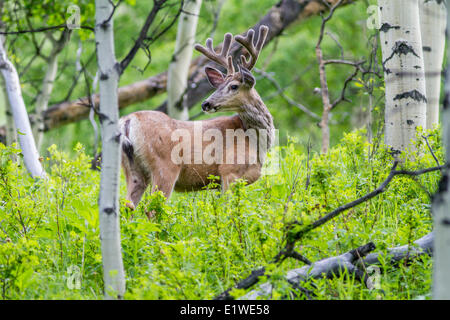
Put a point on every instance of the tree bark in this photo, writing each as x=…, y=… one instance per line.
x=420, y=247
x=441, y=203
x=10, y=130
x=433, y=21
x=403, y=65
x=324, y=126
x=47, y=86
x=20, y=115
x=280, y=16
x=181, y=60
x=113, y=273
x=72, y=111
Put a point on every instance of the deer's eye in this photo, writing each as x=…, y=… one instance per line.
x=234, y=87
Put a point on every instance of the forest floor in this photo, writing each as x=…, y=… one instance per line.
x=202, y=243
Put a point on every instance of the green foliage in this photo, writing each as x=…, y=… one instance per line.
x=290, y=59
x=199, y=244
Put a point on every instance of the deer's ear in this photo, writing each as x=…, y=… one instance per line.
x=247, y=77
x=215, y=77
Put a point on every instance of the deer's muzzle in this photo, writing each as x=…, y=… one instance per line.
x=208, y=107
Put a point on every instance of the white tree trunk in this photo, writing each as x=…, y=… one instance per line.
x=181, y=60
x=433, y=21
x=403, y=64
x=47, y=87
x=113, y=273
x=441, y=203
x=11, y=135
x=20, y=115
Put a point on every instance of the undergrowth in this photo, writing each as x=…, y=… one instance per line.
x=201, y=243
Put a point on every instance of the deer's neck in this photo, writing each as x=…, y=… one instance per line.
x=255, y=115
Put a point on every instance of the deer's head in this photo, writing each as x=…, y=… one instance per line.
x=233, y=89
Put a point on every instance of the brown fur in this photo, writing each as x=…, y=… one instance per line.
x=152, y=162
x=147, y=139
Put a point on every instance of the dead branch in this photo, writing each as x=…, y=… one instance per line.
x=281, y=92
x=323, y=82
x=326, y=268
x=140, y=41
x=351, y=263
x=382, y=188
x=421, y=246
x=293, y=237
x=431, y=150
x=246, y=283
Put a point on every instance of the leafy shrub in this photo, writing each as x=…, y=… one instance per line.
x=201, y=243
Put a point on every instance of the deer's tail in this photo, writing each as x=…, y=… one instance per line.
x=127, y=145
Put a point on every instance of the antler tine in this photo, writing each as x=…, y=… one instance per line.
x=223, y=59
x=247, y=42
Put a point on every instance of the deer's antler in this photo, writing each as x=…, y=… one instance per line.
x=223, y=59
x=247, y=43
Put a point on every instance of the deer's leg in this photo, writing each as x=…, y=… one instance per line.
x=136, y=184
x=227, y=180
x=135, y=189
x=164, y=179
x=249, y=173
x=252, y=174
x=228, y=174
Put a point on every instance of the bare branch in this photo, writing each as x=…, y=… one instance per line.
x=280, y=90
x=139, y=43
x=44, y=29
x=342, y=96
x=431, y=150
x=382, y=188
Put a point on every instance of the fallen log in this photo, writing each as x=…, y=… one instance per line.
x=325, y=268
x=421, y=246
x=73, y=111
x=351, y=262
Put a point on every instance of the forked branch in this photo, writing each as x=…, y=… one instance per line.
x=293, y=237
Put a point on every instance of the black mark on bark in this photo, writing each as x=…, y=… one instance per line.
x=414, y=94
x=108, y=211
x=400, y=47
x=438, y=1
x=385, y=27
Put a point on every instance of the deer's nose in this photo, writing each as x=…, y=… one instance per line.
x=206, y=106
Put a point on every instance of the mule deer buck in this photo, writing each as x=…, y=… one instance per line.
x=148, y=142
